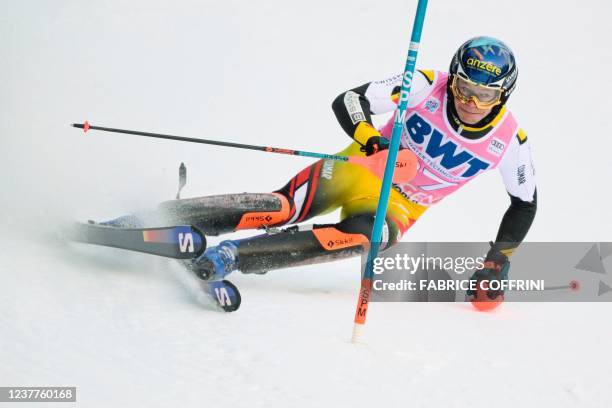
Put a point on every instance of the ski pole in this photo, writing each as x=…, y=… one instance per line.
x=383, y=201
x=405, y=162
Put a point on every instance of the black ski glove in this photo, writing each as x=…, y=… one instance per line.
x=496, y=268
x=375, y=144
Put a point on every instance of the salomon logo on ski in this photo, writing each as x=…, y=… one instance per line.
x=225, y=294
x=223, y=297
x=185, y=242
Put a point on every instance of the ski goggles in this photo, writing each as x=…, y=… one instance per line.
x=483, y=96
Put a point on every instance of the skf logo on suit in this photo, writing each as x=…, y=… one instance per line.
x=340, y=241
x=437, y=145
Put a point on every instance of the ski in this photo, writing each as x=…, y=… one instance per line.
x=178, y=242
x=223, y=293
x=181, y=242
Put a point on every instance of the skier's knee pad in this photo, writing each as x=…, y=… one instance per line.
x=364, y=223
x=275, y=209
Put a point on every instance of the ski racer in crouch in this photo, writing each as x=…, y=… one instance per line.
x=457, y=125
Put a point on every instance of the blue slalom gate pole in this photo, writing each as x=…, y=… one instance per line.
x=383, y=201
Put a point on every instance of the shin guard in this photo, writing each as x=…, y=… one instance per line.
x=219, y=214
x=294, y=247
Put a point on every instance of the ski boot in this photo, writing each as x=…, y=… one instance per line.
x=216, y=262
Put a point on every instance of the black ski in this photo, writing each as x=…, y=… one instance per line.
x=178, y=242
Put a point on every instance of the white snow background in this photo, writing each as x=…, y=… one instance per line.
x=128, y=330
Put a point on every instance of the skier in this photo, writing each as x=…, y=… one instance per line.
x=458, y=126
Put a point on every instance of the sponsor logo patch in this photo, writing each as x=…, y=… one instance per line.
x=496, y=147
x=389, y=81
x=351, y=101
x=432, y=105
x=328, y=169
x=520, y=174
x=340, y=242
x=484, y=66
x=259, y=218
x=440, y=152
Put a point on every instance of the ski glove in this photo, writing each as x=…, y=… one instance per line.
x=376, y=144
x=495, y=268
